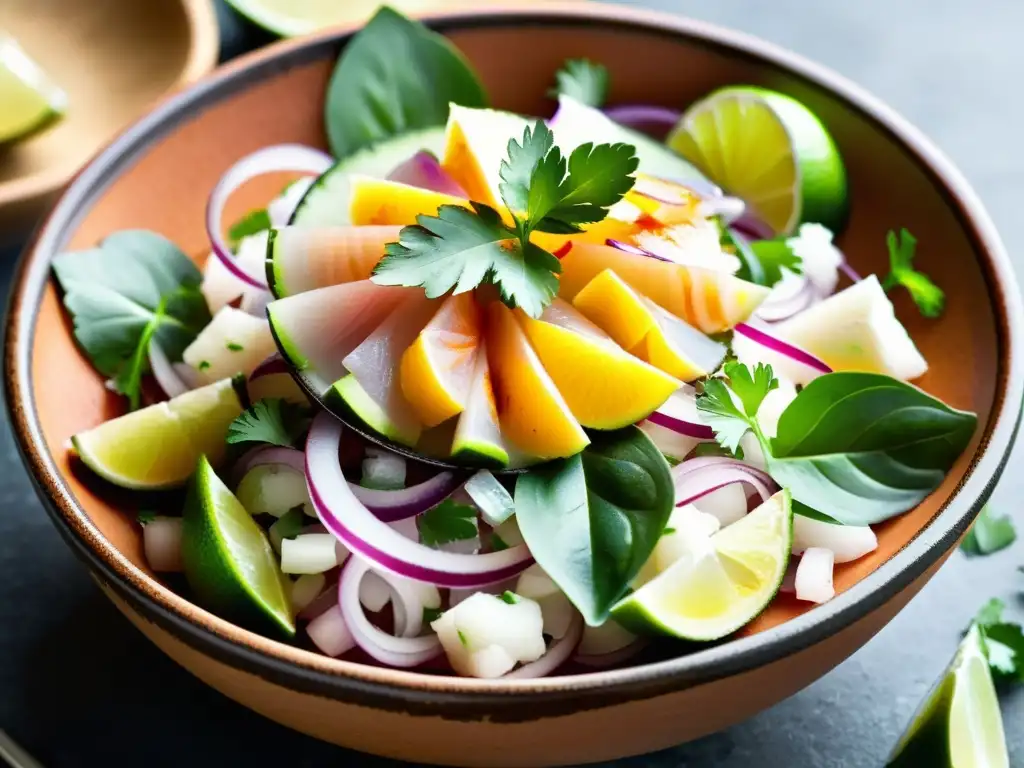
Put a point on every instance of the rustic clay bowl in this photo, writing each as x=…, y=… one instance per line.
x=157, y=174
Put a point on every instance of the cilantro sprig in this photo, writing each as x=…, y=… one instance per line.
x=583, y=80
x=447, y=522
x=272, y=420
x=459, y=249
x=1004, y=642
x=731, y=420
x=928, y=297
x=989, y=533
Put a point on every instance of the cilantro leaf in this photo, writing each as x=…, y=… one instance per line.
x=447, y=522
x=598, y=178
x=751, y=389
x=254, y=221
x=459, y=249
x=988, y=534
x=990, y=613
x=1004, y=642
x=518, y=170
x=430, y=615
x=730, y=419
x=928, y=297
x=146, y=516
x=271, y=420
x=773, y=256
x=136, y=288
x=582, y=80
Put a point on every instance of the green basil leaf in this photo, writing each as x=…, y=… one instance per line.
x=395, y=76
x=865, y=447
x=591, y=521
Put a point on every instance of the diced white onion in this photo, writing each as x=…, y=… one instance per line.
x=494, y=502
x=330, y=634
x=728, y=504
x=311, y=553
x=814, y=576
x=383, y=470
x=161, y=540
x=556, y=609
x=374, y=593
x=306, y=589
x=847, y=542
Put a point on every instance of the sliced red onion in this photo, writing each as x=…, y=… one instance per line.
x=165, y=374
x=424, y=170
x=793, y=294
x=613, y=659
x=269, y=454
x=557, y=654
x=330, y=634
x=654, y=121
x=385, y=648
x=280, y=157
x=272, y=366
x=775, y=344
x=357, y=527
x=849, y=271
x=698, y=477
x=636, y=251
x=254, y=302
x=282, y=208
x=189, y=375
x=391, y=506
x=813, y=582
x=161, y=541
x=679, y=413
x=752, y=227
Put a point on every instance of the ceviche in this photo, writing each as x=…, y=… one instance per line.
x=655, y=395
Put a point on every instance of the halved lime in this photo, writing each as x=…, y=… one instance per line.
x=157, y=447
x=289, y=18
x=29, y=101
x=958, y=725
x=720, y=586
x=228, y=560
x=771, y=151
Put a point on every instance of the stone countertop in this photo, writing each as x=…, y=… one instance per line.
x=80, y=687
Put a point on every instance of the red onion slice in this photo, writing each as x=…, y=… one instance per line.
x=280, y=157
x=796, y=294
x=272, y=366
x=556, y=655
x=679, y=413
x=164, y=372
x=385, y=648
x=654, y=121
x=633, y=249
x=391, y=506
x=849, y=271
x=361, y=531
x=775, y=344
x=696, y=478
x=424, y=170
x=269, y=454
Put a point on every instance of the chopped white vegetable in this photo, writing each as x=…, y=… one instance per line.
x=306, y=589
x=456, y=595
x=330, y=634
x=819, y=258
x=727, y=504
x=814, y=576
x=374, y=593
x=161, y=541
x=607, y=638
x=555, y=607
x=856, y=330
x=494, y=502
x=281, y=208
x=273, y=489
x=847, y=542
x=471, y=631
x=312, y=553
x=233, y=342
x=383, y=469
x=697, y=244
x=219, y=286
x=774, y=403
x=687, y=528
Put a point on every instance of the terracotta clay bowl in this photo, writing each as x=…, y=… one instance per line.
x=156, y=176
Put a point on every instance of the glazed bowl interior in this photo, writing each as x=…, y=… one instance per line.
x=158, y=174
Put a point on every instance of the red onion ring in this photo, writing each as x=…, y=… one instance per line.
x=633, y=249
x=776, y=344
x=613, y=659
x=375, y=541
x=776, y=309
x=387, y=649
x=679, y=414
x=391, y=506
x=556, y=655
x=165, y=373
x=654, y=121
x=269, y=454
x=279, y=157
x=695, y=478
x=424, y=170
x=849, y=271
x=273, y=365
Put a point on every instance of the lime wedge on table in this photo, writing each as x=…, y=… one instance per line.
x=300, y=17
x=28, y=100
x=721, y=586
x=228, y=560
x=959, y=724
x=771, y=151
x=157, y=447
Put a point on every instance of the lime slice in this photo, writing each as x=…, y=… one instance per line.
x=157, y=447
x=958, y=724
x=289, y=18
x=228, y=560
x=769, y=150
x=721, y=585
x=30, y=101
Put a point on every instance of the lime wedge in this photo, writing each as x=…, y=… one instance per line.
x=771, y=151
x=228, y=560
x=30, y=101
x=720, y=586
x=157, y=447
x=289, y=18
x=958, y=725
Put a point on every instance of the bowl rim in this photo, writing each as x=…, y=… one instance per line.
x=507, y=700
x=203, y=50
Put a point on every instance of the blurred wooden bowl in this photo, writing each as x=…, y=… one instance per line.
x=114, y=59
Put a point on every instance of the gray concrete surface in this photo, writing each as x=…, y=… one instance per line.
x=80, y=687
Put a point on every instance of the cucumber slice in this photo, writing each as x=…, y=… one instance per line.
x=327, y=201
